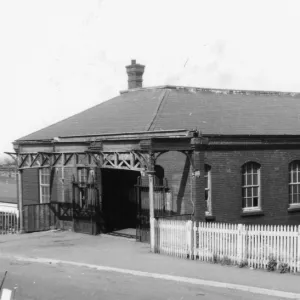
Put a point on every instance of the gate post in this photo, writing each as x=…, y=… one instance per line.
x=151, y=210
x=198, y=182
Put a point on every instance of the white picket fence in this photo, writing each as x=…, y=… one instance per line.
x=253, y=245
x=9, y=222
x=173, y=237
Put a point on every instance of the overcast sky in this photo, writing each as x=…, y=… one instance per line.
x=59, y=57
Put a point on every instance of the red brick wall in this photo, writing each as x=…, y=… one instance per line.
x=227, y=192
x=226, y=184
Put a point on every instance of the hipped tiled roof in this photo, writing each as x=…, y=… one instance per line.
x=229, y=112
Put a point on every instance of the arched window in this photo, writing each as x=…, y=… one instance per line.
x=294, y=183
x=251, y=186
x=207, y=176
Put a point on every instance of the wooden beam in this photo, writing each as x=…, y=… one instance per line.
x=35, y=159
x=63, y=179
x=20, y=203
x=67, y=158
x=23, y=160
x=129, y=160
x=56, y=159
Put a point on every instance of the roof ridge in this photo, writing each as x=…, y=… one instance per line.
x=162, y=97
x=213, y=90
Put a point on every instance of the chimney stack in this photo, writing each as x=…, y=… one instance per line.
x=135, y=75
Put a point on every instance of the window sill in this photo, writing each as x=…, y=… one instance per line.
x=294, y=208
x=257, y=212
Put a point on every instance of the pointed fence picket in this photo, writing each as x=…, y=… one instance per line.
x=9, y=222
x=254, y=245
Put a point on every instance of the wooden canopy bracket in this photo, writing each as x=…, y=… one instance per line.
x=13, y=155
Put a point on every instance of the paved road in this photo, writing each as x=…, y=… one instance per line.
x=48, y=282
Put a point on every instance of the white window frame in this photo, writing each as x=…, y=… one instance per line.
x=292, y=184
x=44, y=197
x=207, y=174
x=252, y=186
x=82, y=173
x=86, y=174
x=89, y=173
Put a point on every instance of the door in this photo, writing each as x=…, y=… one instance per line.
x=86, y=208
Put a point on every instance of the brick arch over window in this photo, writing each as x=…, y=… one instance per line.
x=294, y=183
x=251, y=198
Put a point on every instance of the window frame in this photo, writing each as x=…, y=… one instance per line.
x=208, y=186
x=82, y=173
x=297, y=183
x=246, y=187
x=89, y=174
x=43, y=185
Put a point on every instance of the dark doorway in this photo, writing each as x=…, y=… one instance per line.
x=119, y=199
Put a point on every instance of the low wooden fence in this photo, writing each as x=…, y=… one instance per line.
x=40, y=217
x=173, y=237
x=57, y=215
x=252, y=245
x=9, y=222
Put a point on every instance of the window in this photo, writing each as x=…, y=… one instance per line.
x=294, y=183
x=44, y=185
x=251, y=186
x=85, y=175
x=82, y=175
x=207, y=176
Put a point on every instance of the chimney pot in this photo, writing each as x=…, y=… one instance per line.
x=135, y=75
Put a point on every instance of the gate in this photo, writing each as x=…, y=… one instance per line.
x=162, y=205
x=86, y=208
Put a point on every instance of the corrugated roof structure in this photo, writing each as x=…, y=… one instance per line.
x=211, y=111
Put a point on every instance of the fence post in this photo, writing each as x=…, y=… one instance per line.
x=239, y=244
x=153, y=226
x=189, y=238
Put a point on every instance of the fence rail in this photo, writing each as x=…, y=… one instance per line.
x=9, y=222
x=254, y=245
